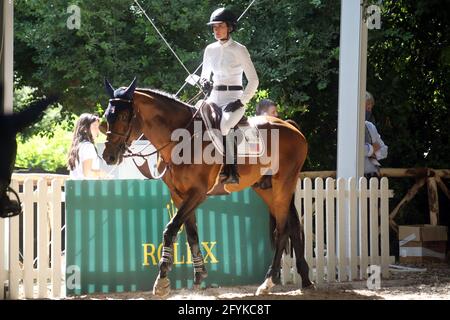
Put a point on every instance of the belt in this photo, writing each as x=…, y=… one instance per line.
x=228, y=88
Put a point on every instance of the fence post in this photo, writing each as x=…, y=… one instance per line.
x=56, y=237
x=384, y=224
x=42, y=238
x=352, y=250
x=341, y=232
x=299, y=196
x=319, y=247
x=28, y=238
x=373, y=191
x=307, y=189
x=14, y=267
x=331, y=237
x=363, y=236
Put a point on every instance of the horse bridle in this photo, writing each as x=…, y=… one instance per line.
x=124, y=136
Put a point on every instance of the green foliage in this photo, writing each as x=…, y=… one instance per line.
x=293, y=45
x=43, y=152
x=408, y=74
x=295, y=48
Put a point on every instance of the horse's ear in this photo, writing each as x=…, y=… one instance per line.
x=130, y=90
x=109, y=88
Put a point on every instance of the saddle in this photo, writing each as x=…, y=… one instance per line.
x=249, y=140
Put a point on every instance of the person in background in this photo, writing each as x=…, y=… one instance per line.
x=370, y=103
x=266, y=107
x=84, y=161
x=374, y=150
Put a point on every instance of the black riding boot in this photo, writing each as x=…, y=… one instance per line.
x=229, y=174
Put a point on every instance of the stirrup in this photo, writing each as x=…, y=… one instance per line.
x=10, y=208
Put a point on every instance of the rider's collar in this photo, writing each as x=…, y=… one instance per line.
x=226, y=43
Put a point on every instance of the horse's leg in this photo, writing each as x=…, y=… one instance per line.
x=279, y=209
x=192, y=199
x=200, y=272
x=297, y=237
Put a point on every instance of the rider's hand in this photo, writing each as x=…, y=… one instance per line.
x=206, y=85
x=376, y=146
x=233, y=106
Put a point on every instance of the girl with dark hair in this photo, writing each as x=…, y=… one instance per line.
x=83, y=160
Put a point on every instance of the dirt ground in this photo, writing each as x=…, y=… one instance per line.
x=433, y=283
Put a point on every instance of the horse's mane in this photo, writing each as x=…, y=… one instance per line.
x=167, y=95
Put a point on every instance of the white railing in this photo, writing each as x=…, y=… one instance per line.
x=337, y=216
x=346, y=229
x=40, y=273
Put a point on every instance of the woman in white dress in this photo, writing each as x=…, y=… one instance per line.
x=83, y=160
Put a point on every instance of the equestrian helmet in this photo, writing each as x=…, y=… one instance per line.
x=223, y=15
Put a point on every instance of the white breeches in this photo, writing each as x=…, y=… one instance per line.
x=222, y=98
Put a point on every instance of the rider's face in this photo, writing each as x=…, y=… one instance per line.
x=220, y=31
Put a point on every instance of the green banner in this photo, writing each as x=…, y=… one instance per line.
x=114, y=233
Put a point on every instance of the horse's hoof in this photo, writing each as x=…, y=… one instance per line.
x=309, y=287
x=265, y=287
x=196, y=287
x=200, y=276
x=161, y=288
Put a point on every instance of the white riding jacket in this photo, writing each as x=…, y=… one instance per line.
x=227, y=62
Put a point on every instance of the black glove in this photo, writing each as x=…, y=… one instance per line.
x=233, y=106
x=206, y=85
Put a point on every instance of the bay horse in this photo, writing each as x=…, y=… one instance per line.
x=157, y=115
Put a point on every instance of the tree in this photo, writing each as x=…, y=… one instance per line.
x=408, y=68
x=295, y=48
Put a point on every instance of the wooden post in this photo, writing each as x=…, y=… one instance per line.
x=409, y=195
x=442, y=186
x=433, y=201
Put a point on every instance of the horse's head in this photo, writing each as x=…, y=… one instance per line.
x=119, y=115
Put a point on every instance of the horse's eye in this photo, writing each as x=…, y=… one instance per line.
x=123, y=116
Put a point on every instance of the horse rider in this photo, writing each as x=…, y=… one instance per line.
x=227, y=60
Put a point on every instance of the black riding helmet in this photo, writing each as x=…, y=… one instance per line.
x=223, y=15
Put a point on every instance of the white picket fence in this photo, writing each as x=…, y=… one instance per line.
x=338, y=243
x=346, y=229
x=24, y=272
